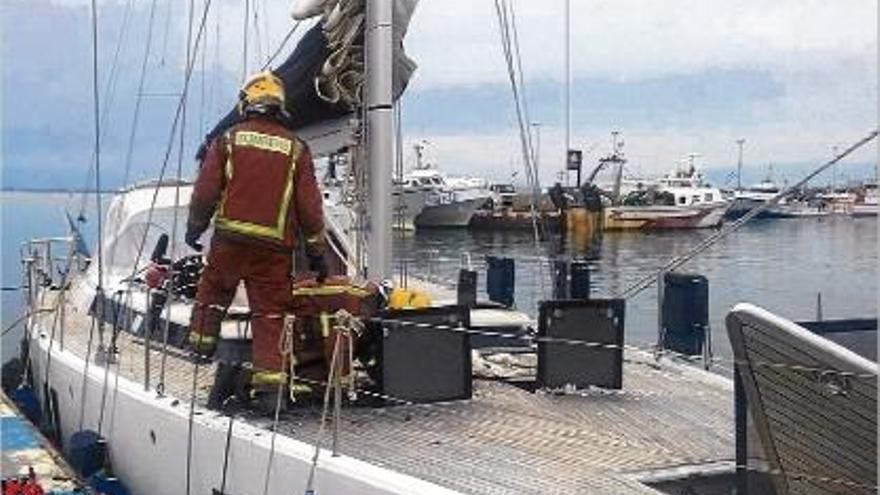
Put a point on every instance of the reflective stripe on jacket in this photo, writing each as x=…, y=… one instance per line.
x=259, y=179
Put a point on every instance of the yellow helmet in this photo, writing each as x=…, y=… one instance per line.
x=262, y=89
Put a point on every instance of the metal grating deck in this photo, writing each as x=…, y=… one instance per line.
x=508, y=440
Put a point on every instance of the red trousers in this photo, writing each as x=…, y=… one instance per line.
x=267, y=278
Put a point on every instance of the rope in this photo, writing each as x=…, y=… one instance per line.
x=675, y=263
x=533, y=339
x=513, y=59
x=190, y=61
x=226, y=449
x=116, y=302
x=82, y=405
x=285, y=343
x=331, y=378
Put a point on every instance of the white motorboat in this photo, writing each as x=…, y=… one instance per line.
x=866, y=201
x=679, y=200
x=451, y=202
x=758, y=194
x=689, y=190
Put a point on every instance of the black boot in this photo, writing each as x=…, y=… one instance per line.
x=266, y=401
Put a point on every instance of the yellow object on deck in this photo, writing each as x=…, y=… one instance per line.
x=404, y=298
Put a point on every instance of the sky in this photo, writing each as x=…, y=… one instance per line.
x=794, y=78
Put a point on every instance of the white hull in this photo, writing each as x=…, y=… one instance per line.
x=406, y=210
x=864, y=210
x=148, y=441
x=456, y=214
x=714, y=217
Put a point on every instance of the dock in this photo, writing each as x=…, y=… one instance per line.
x=25, y=449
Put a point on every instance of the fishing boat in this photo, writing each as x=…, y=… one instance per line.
x=758, y=194
x=451, y=201
x=866, y=201
x=679, y=200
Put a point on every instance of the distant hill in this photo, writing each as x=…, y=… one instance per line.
x=846, y=173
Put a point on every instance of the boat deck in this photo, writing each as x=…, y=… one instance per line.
x=669, y=418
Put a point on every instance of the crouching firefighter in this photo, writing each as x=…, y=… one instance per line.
x=257, y=182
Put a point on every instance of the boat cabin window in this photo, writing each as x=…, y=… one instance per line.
x=709, y=197
x=682, y=200
x=695, y=200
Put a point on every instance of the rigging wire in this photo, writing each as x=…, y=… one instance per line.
x=165, y=34
x=258, y=38
x=148, y=43
x=649, y=280
x=244, y=51
x=282, y=45
x=510, y=46
x=170, y=145
x=109, y=97
x=97, y=317
x=98, y=195
x=190, y=60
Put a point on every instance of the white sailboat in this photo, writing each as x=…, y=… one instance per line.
x=96, y=368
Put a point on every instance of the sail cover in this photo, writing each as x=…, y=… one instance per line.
x=324, y=76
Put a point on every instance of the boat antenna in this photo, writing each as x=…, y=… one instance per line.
x=567, y=35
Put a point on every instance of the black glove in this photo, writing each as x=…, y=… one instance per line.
x=192, y=240
x=319, y=266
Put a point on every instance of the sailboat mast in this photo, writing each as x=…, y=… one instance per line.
x=567, y=88
x=739, y=164
x=380, y=159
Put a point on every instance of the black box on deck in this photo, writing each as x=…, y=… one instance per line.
x=424, y=363
x=685, y=312
x=598, y=322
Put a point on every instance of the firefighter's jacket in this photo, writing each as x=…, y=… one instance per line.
x=258, y=182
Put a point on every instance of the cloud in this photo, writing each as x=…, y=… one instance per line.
x=457, y=41
x=792, y=76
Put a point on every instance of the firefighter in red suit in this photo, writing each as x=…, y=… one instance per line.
x=257, y=182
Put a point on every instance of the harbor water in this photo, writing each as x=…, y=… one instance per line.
x=782, y=264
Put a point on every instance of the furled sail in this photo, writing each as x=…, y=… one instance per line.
x=324, y=76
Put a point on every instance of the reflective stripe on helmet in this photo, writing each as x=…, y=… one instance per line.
x=268, y=143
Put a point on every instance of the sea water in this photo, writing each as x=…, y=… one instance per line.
x=782, y=264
